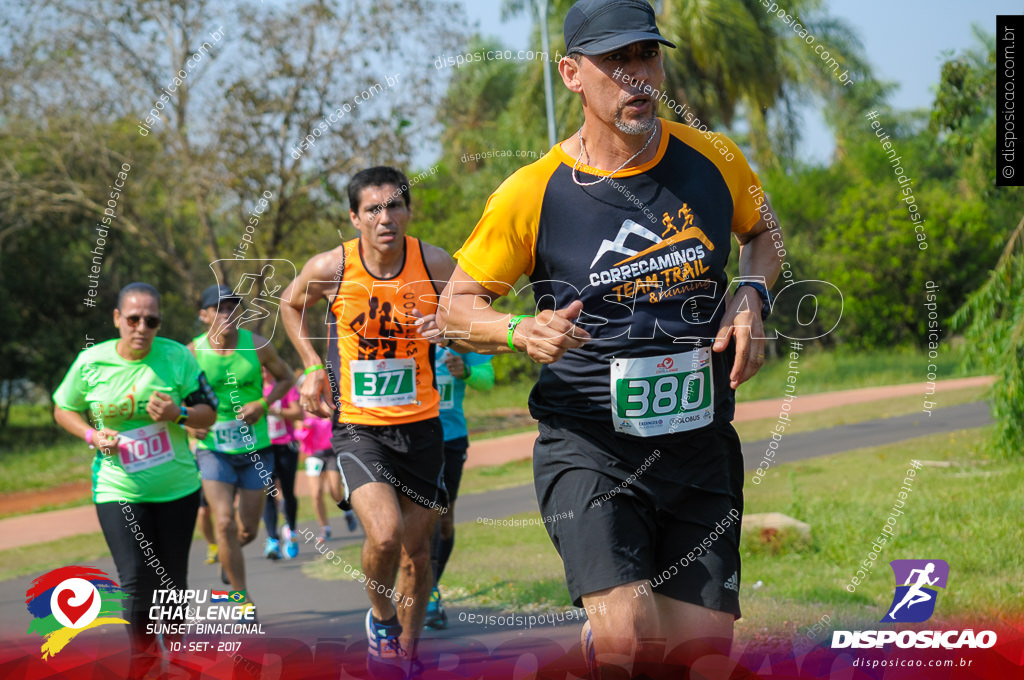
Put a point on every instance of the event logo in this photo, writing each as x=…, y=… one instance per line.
x=66, y=601
x=619, y=244
x=914, y=601
x=260, y=285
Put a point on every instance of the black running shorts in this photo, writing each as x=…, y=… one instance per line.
x=454, y=460
x=410, y=457
x=665, y=509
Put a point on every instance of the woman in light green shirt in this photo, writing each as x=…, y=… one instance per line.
x=130, y=398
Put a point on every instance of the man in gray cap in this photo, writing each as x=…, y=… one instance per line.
x=625, y=230
x=234, y=455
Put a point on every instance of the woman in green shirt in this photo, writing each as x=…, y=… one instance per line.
x=130, y=399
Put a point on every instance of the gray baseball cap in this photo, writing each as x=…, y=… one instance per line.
x=212, y=296
x=601, y=26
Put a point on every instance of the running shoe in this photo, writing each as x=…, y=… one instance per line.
x=350, y=520
x=325, y=534
x=382, y=645
x=291, y=546
x=437, y=617
x=272, y=550
x=211, y=553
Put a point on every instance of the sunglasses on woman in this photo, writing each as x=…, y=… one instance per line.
x=151, y=321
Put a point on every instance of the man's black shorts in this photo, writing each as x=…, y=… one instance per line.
x=454, y=460
x=410, y=457
x=664, y=508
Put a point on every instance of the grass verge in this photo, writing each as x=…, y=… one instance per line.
x=41, y=557
x=829, y=371
x=965, y=513
x=753, y=430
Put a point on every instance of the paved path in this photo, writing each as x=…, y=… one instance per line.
x=54, y=525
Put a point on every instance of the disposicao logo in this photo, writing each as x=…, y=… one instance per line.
x=913, y=601
x=66, y=601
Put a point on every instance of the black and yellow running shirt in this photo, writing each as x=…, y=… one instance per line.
x=646, y=252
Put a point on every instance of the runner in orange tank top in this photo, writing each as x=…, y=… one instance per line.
x=377, y=385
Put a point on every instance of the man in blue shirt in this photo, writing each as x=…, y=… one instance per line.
x=454, y=371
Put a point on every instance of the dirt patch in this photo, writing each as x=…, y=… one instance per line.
x=30, y=501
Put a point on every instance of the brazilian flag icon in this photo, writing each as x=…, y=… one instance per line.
x=237, y=596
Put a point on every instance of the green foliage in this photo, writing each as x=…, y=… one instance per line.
x=993, y=323
x=856, y=232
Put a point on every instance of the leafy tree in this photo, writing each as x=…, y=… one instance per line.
x=732, y=61
x=993, y=323
x=222, y=135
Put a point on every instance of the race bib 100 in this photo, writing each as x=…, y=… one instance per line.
x=145, y=447
x=383, y=382
x=662, y=394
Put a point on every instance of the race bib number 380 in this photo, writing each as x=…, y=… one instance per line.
x=383, y=382
x=662, y=394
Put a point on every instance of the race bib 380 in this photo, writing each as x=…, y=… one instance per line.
x=662, y=394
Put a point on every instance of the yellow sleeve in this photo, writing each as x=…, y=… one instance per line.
x=742, y=181
x=744, y=185
x=503, y=244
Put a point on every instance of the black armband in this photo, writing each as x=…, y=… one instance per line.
x=204, y=395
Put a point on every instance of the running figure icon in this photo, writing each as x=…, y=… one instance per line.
x=917, y=594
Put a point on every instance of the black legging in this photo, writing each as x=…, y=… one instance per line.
x=286, y=462
x=152, y=555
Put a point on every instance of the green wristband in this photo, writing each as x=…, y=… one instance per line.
x=311, y=369
x=266, y=406
x=512, y=324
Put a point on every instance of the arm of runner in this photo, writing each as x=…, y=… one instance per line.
x=313, y=283
x=75, y=423
x=161, y=407
x=201, y=404
x=270, y=359
x=481, y=376
x=290, y=412
x=456, y=366
x=757, y=258
x=466, y=317
x=440, y=265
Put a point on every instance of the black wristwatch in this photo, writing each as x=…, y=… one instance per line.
x=180, y=420
x=766, y=297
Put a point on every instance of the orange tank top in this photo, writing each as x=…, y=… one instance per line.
x=381, y=371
